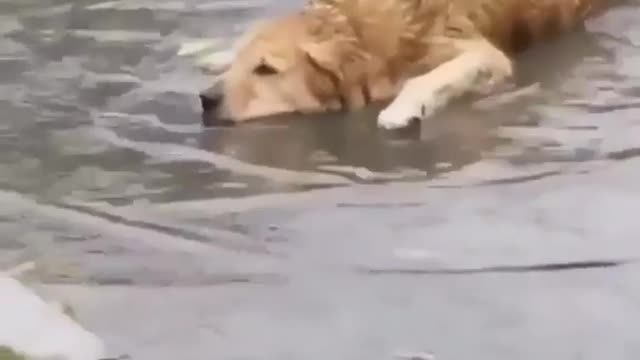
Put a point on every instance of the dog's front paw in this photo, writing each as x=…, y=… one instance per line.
x=402, y=114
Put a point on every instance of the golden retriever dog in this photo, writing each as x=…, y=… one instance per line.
x=415, y=55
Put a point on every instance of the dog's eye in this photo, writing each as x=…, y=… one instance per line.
x=264, y=70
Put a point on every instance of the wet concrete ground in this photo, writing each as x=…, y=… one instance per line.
x=321, y=238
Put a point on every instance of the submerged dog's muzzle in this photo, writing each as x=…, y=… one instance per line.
x=212, y=100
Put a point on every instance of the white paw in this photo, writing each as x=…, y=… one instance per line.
x=402, y=114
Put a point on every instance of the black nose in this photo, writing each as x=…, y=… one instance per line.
x=210, y=103
x=211, y=99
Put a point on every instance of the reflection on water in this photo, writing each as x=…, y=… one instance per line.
x=108, y=177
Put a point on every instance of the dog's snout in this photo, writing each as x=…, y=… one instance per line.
x=211, y=99
x=210, y=103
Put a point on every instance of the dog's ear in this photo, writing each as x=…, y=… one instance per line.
x=324, y=56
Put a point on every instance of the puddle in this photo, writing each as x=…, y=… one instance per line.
x=249, y=242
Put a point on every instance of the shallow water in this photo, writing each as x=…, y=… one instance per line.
x=301, y=240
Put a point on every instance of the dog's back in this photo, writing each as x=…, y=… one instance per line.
x=512, y=24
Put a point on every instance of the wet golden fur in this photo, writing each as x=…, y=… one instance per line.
x=345, y=54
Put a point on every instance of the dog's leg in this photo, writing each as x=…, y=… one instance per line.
x=478, y=68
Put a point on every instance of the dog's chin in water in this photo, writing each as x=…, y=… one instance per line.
x=212, y=118
x=213, y=115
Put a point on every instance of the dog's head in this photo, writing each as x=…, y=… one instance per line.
x=292, y=64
